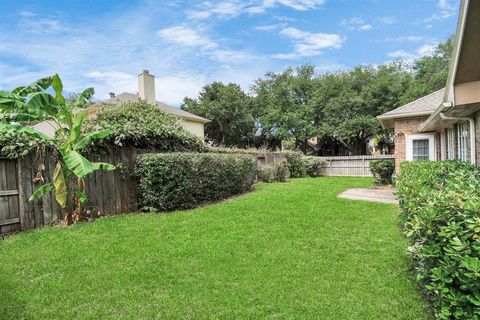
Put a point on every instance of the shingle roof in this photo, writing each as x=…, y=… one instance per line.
x=424, y=105
x=130, y=97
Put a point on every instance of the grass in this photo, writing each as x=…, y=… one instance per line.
x=285, y=251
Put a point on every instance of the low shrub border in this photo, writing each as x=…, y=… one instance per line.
x=441, y=205
x=273, y=173
x=296, y=165
x=170, y=181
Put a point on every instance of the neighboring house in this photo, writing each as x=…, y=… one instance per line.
x=146, y=91
x=445, y=124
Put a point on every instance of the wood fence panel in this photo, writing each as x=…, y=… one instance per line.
x=9, y=210
x=351, y=166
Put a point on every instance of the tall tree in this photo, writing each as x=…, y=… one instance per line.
x=431, y=70
x=229, y=109
x=283, y=104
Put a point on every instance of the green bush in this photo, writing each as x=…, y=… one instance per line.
x=313, y=166
x=170, y=181
x=296, y=165
x=143, y=126
x=441, y=204
x=382, y=170
x=271, y=173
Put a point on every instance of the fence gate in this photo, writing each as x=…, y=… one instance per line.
x=9, y=204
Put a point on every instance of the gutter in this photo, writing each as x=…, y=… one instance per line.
x=472, y=133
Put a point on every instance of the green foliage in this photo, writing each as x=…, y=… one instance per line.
x=273, y=173
x=296, y=165
x=169, y=181
x=314, y=166
x=441, y=204
x=229, y=108
x=141, y=125
x=36, y=103
x=382, y=170
x=14, y=145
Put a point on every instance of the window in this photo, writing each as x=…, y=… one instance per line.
x=451, y=143
x=462, y=134
x=420, y=147
x=420, y=150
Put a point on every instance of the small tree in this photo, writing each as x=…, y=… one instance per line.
x=35, y=103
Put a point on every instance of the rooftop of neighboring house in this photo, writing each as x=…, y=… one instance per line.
x=424, y=106
x=126, y=97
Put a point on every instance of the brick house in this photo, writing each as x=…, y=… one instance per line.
x=445, y=124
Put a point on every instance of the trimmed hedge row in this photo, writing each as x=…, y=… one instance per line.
x=273, y=173
x=441, y=205
x=170, y=181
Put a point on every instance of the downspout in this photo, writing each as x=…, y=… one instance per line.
x=472, y=134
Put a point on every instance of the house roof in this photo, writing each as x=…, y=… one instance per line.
x=424, y=106
x=126, y=97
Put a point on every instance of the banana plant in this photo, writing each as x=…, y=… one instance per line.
x=35, y=103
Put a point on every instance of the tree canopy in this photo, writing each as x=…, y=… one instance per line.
x=337, y=108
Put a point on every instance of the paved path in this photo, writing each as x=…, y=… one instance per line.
x=375, y=195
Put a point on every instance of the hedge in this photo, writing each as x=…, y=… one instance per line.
x=144, y=126
x=314, y=166
x=273, y=173
x=441, y=205
x=296, y=165
x=170, y=181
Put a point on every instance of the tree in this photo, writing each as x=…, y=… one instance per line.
x=229, y=110
x=346, y=103
x=283, y=105
x=431, y=70
x=35, y=103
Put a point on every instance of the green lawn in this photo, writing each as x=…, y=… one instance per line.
x=285, y=251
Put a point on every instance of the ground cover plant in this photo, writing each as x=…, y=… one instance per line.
x=441, y=203
x=287, y=250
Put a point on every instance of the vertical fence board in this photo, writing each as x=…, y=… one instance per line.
x=352, y=166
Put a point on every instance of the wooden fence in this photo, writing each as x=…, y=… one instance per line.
x=112, y=192
x=351, y=166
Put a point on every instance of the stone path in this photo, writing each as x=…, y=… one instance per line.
x=375, y=195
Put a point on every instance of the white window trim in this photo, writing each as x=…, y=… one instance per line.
x=422, y=136
x=462, y=141
x=451, y=143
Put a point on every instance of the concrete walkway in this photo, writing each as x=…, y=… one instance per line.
x=375, y=195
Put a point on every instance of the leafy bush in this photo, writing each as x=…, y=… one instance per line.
x=169, y=181
x=441, y=204
x=144, y=126
x=313, y=166
x=266, y=173
x=296, y=165
x=382, y=170
x=271, y=173
x=15, y=145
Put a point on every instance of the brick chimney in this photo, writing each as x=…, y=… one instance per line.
x=146, y=86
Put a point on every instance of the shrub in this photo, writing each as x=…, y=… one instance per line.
x=266, y=173
x=144, y=126
x=313, y=166
x=276, y=172
x=296, y=165
x=441, y=204
x=382, y=171
x=169, y=181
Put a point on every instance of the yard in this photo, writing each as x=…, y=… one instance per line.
x=289, y=250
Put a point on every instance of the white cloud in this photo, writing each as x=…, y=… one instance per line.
x=424, y=50
x=234, y=8
x=270, y=27
x=411, y=38
x=301, y=5
x=387, y=20
x=447, y=10
x=186, y=37
x=307, y=44
x=357, y=24
x=222, y=9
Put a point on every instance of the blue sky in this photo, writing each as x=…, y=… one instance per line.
x=187, y=44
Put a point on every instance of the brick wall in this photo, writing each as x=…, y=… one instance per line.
x=404, y=127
